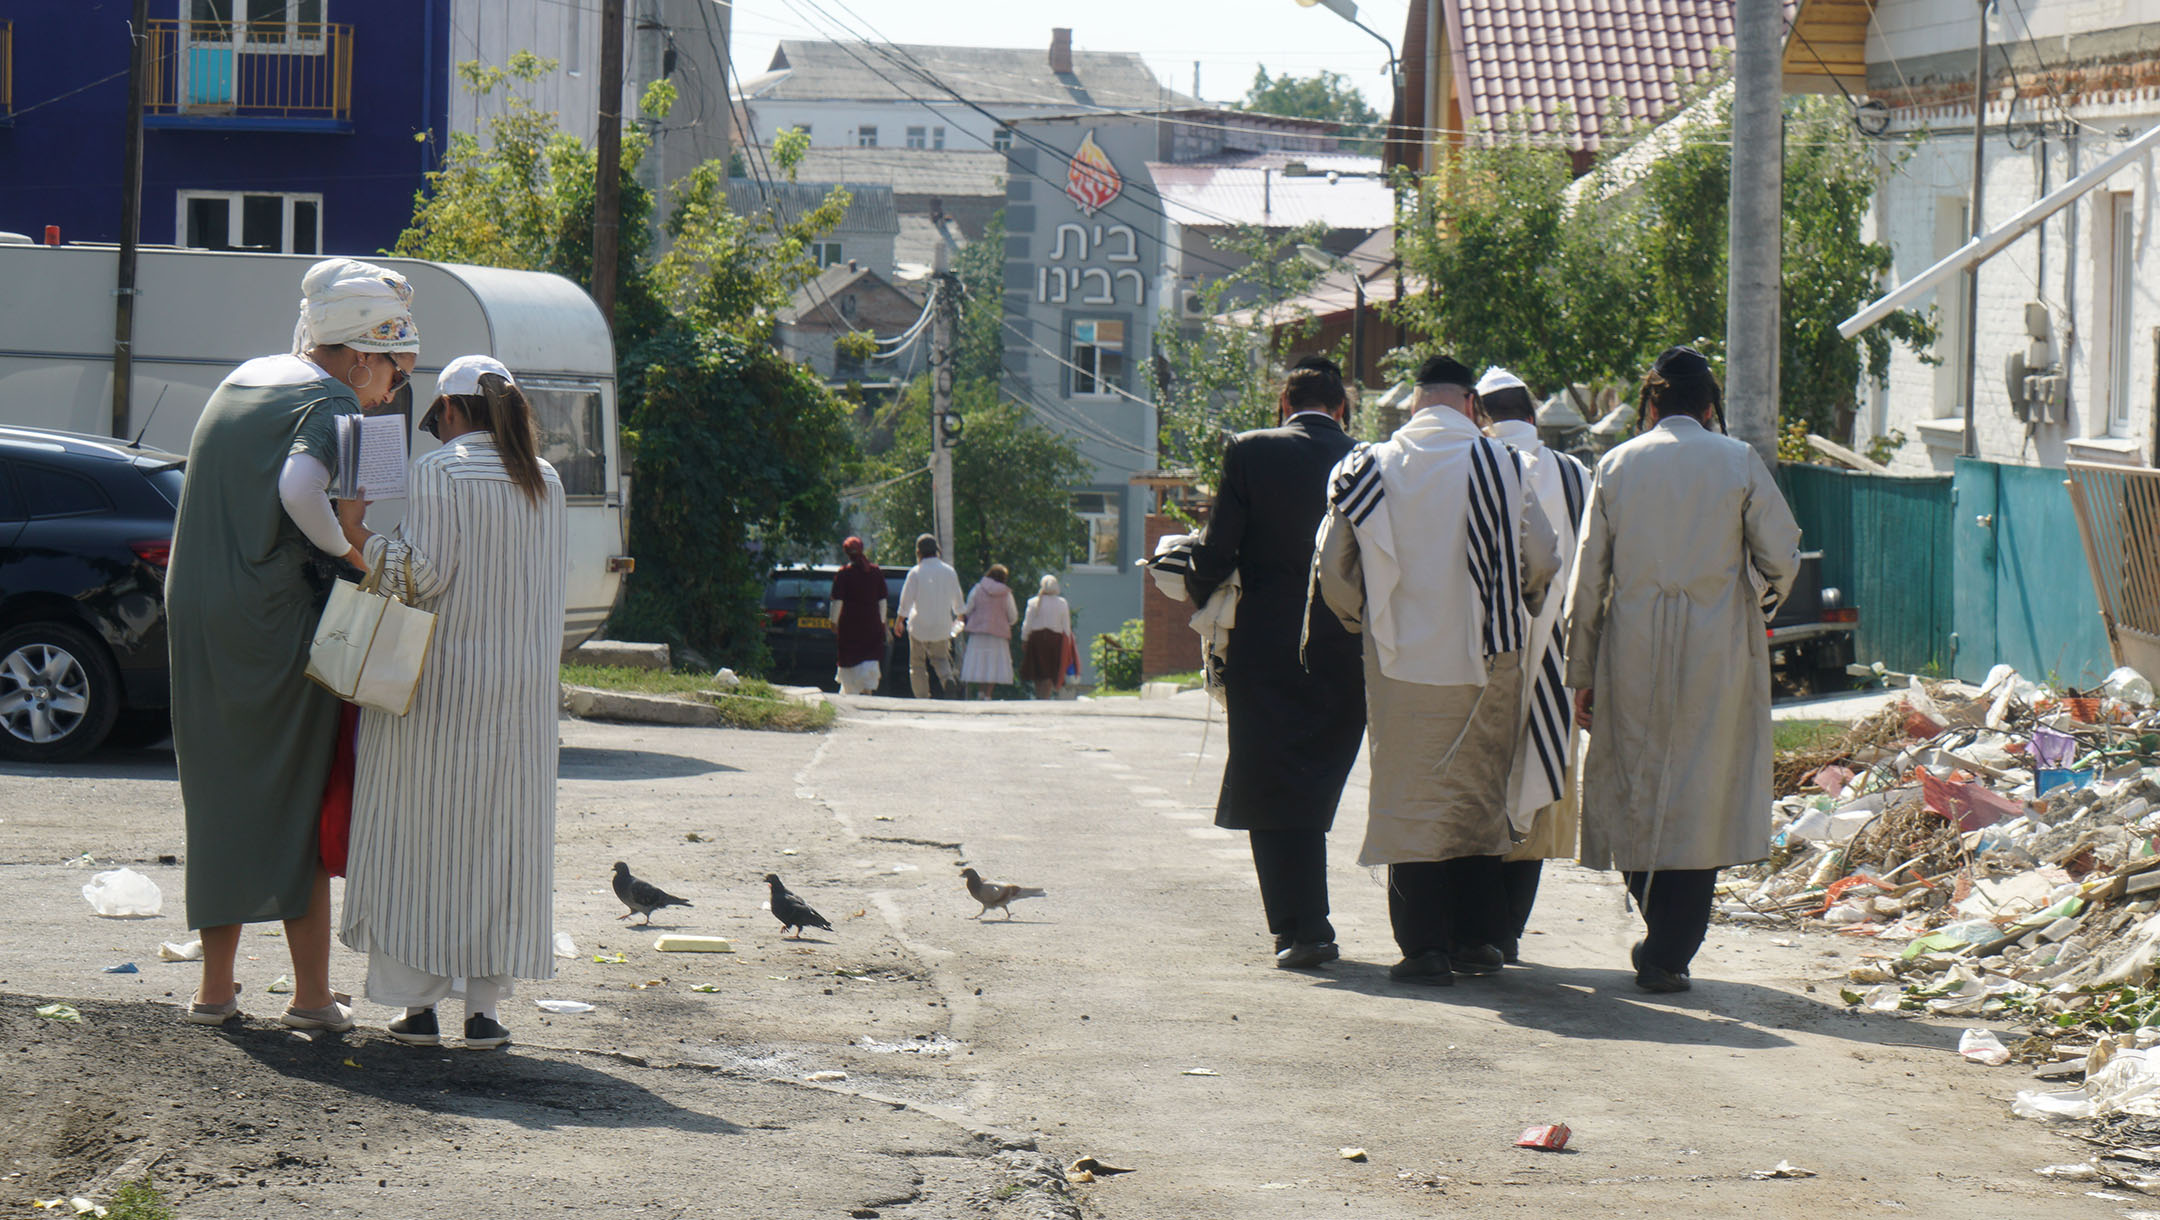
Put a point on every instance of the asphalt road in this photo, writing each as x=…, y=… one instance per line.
x=1133, y=1014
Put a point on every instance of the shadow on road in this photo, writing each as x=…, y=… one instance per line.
x=540, y=1094
x=110, y=762
x=1605, y=1004
x=589, y=762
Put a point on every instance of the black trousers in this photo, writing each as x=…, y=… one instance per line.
x=1292, y=865
x=1436, y=904
x=1676, y=905
x=1519, y=881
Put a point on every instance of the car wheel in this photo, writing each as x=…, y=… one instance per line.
x=59, y=693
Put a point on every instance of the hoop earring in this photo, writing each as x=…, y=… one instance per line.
x=365, y=381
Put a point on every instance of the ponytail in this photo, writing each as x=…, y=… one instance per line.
x=500, y=408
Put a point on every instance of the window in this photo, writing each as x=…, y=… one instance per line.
x=572, y=436
x=1095, y=540
x=918, y=137
x=231, y=220
x=2122, y=281
x=827, y=253
x=1951, y=232
x=267, y=25
x=1001, y=140
x=937, y=137
x=1098, y=358
x=866, y=137
x=56, y=493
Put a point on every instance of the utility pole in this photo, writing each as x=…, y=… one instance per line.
x=1755, y=247
x=1978, y=226
x=944, y=324
x=130, y=223
x=607, y=192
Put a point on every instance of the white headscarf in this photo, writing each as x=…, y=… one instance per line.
x=359, y=305
x=1049, y=586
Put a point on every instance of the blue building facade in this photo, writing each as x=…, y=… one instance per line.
x=292, y=126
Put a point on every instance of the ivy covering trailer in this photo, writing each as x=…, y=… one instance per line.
x=199, y=314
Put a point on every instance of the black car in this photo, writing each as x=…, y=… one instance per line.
x=86, y=528
x=1811, y=636
x=799, y=630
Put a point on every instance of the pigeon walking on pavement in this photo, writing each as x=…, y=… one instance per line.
x=642, y=897
x=993, y=896
x=792, y=912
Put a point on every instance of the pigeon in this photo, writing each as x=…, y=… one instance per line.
x=792, y=912
x=993, y=896
x=642, y=897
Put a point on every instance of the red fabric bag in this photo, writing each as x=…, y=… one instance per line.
x=1072, y=656
x=336, y=818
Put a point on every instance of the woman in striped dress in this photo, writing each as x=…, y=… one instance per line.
x=452, y=866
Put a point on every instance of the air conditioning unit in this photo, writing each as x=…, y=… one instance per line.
x=1192, y=305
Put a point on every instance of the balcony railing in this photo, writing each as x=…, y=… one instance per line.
x=7, y=70
x=259, y=74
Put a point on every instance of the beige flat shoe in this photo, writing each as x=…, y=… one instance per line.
x=332, y=1018
x=212, y=1014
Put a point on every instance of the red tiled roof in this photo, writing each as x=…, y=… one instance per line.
x=1575, y=66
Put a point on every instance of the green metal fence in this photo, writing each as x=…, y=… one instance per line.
x=1886, y=542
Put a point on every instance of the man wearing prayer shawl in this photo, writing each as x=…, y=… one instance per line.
x=1541, y=792
x=1686, y=548
x=1436, y=550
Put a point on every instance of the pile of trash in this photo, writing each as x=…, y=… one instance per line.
x=2002, y=846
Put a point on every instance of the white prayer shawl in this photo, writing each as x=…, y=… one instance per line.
x=1419, y=502
x=1561, y=486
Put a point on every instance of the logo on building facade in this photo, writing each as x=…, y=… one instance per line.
x=1091, y=181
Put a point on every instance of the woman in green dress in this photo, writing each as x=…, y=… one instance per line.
x=253, y=734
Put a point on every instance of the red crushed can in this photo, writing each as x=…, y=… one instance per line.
x=1551, y=1137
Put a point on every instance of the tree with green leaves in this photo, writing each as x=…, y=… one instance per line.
x=1588, y=288
x=1323, y=95
x=739, y=455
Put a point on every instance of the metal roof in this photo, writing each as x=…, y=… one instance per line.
x=818, y=71
x=952, y=173
x=1254, y=190
x=870, y=208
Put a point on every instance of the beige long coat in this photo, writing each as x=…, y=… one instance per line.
x=1666, y=627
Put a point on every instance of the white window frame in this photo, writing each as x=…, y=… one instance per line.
x=918, y=137
x=234, y=201
x=827, y=253
x=1094, y=523
x=866, y=137
x=1001, y=139
x=2122, y=313
x=244, y=16
x=937, y=138
x=1104, y=387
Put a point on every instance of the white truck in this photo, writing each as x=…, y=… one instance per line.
x=200, y=313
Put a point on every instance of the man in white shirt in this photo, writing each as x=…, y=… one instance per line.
x=930, y=602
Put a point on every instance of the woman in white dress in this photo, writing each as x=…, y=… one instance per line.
x=991, y=612
x=452, y=866
x=1043, y=634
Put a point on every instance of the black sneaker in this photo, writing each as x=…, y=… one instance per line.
x=484, y=1033
x=1429, y=968
x=1306, y=956
x=417, y=1029
x=1475, y=959
x=1657, y=979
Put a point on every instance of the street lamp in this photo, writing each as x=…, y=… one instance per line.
x=1347, y=10
x=1329, y=262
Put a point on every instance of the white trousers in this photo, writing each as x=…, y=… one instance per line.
x=392, y=983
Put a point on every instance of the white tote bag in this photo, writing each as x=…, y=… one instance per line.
x=369, y=647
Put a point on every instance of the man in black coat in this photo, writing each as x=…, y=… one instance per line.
x=1294, y=725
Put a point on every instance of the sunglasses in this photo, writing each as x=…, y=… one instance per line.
x=398, y=376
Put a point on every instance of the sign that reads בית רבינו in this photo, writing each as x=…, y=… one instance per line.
x=1092, y=182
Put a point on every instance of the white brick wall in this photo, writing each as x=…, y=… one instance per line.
x=2074, y=287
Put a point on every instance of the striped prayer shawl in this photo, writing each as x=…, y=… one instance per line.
x=1356, y=488
x=1551, y=719
x=1495, y=564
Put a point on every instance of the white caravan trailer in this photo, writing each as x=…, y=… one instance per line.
x=201, y=313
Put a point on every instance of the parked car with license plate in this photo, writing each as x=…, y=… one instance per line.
x=85, y=534
x=799, y=629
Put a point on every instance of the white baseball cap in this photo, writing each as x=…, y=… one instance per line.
x=462, y=375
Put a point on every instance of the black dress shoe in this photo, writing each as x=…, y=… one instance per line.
x=1511, y=951
x=417, y=1029
x=1657, y=979
x=484, y=1033
x=1306, y=956
x=1475, y=959
x=1284, y=942
x=1429, y=968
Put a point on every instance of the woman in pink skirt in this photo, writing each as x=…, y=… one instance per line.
x=990, y=612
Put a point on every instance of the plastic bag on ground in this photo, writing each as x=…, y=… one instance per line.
x=123, y=893
x=1982, y=1046
x=2129, y=686
x=2128, y=1084
x=565, y=947
x=562, y=1006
